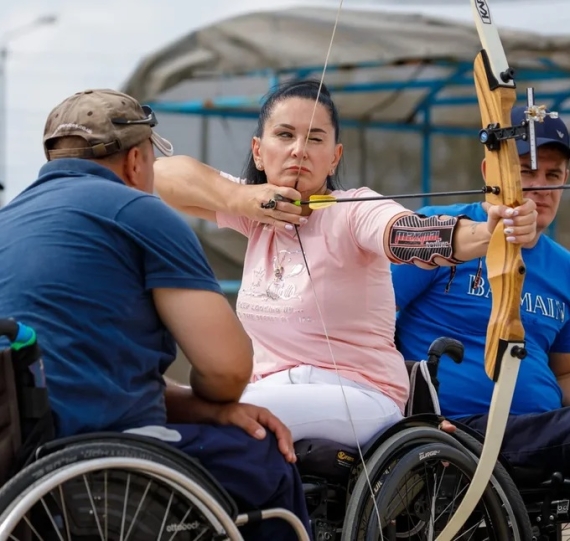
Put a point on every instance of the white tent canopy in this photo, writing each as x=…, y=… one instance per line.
x=299, y=37
x=420, y=48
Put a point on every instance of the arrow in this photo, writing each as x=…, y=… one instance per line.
x=317, y=202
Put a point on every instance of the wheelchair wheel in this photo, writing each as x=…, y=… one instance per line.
x=419, y=477
x=110, y=491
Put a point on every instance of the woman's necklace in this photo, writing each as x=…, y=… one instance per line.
x=276, y=287
x=278, y=259
x=273, y=287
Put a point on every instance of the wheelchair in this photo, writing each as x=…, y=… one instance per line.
x=104, y=486
x=406, y=485
x=411, y=477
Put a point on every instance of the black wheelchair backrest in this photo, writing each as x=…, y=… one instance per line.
x=424, y=385
x=26, y=420
x=10, y=430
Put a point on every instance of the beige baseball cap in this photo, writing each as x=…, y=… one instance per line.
x=108, y=121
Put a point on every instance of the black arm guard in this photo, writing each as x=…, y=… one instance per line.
x=415, y=237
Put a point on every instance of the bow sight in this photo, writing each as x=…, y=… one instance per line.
x=492, y=136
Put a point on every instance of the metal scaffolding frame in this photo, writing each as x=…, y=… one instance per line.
x=461, y=75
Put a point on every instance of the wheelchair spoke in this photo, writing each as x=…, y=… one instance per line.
x=433, y=498
x=34, y=531
x=31, y=526
x=125, y=502
x=204, y=531
x=92, y=502
x=64, y=511
x=453, y=500
x=470, y=532
x=166, y=512
x=413, y=486
x=51, y=519
x=106, y=515
x=138, y=510
x=179, y=528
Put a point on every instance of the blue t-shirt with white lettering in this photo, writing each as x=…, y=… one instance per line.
x=80, y=253
x=427, y=312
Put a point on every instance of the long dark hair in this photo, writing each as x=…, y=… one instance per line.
x=306, y=89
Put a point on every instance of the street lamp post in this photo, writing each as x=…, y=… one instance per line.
x=5, y=41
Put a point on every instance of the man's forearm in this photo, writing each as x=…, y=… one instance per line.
x=185, y=184
x=183, y=406
x=220, y=388
x=471, y=240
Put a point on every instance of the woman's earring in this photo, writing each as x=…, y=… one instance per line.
x=331, y=172
x=259, y=166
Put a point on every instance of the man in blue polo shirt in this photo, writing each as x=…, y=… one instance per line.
x=434, y=303
x=111, y=279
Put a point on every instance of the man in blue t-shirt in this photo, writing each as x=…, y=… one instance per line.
x=438, y=303
x=111, y=279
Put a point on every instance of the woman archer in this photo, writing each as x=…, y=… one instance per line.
x=316, y=295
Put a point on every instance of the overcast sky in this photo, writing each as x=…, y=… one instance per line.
x=94, y=45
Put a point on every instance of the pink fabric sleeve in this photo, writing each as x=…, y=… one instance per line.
x=368, y=220
x=237, y=223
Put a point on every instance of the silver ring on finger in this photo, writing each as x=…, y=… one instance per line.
x=271, y=205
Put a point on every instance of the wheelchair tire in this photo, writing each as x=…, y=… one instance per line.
x=507, y=486
x=202, y=510
x=396, y=457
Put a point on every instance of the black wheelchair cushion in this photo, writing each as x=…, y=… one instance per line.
x=325, y=458
x=528, y=477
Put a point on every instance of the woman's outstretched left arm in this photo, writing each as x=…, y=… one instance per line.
x=437, y=241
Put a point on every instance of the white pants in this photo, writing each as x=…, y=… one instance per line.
x=312, y=404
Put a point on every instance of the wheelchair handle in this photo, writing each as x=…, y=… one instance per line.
x=20, y=335
x=446, y=346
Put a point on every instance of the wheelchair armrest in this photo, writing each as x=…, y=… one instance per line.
x=556, y=481
x=314, y=488
x=445, y=346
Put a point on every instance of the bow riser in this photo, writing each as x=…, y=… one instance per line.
x=505, y=266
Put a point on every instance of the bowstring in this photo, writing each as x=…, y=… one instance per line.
x=313, y=288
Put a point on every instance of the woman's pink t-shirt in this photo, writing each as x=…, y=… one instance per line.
x=351, y=280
